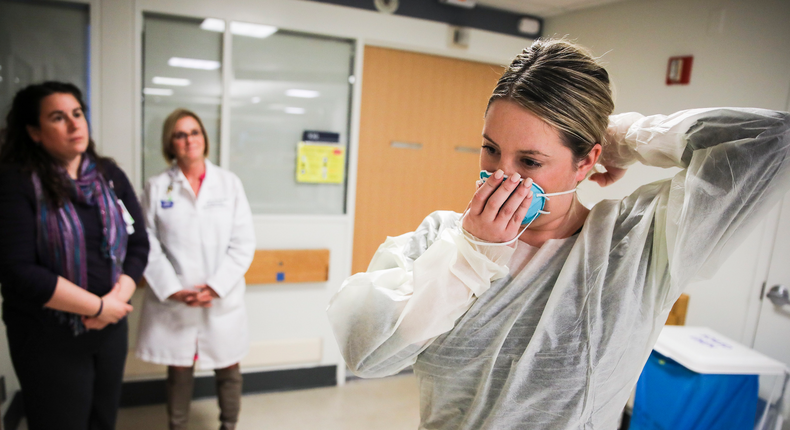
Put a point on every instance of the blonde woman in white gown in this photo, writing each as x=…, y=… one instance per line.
x=550, y=331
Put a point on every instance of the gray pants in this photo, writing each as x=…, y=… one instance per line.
x=180, y=383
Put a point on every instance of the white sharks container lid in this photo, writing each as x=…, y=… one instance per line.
x=702, y=350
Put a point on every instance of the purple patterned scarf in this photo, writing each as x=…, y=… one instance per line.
x=61, y=238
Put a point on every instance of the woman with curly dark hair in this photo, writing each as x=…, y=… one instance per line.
x=71, y=254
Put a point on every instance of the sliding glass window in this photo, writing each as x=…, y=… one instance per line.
x=277, y=89
x=182, y=68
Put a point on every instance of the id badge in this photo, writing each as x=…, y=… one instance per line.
x=127, y=218
x=167, y=202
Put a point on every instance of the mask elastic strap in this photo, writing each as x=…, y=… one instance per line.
x=557, y=194
x=479, y=242
x=553, y=194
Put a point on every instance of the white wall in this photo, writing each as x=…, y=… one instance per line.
x=741, y=55
x=743, y=62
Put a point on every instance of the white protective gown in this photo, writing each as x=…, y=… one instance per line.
x=205, y=240
x=561, y=344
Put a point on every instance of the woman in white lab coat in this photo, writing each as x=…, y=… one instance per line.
x=202, y=243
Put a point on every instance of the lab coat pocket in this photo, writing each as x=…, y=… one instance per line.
x=217, y=204
x=170, y=315
x=219, y=214
x=231, y=303
x=219, y=209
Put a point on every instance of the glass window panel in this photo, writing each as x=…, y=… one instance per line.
x=42, y=41
x=266, y=123
x=170, y=47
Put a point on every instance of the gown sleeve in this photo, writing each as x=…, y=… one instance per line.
x=416, y=287
x=735, y=168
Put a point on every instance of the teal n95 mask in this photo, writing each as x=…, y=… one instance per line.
x=539, y=198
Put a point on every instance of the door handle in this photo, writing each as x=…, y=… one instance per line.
x=779, y=295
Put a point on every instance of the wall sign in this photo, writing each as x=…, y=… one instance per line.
x=320, y=159
x=679, y=70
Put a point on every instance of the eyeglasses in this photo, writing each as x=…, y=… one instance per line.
x=182, y=136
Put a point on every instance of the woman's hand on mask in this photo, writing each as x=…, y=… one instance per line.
x=612, y=175
x=498, y=207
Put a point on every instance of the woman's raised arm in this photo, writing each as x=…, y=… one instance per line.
x=736, y=167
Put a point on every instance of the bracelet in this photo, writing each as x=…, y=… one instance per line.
x=101, y=307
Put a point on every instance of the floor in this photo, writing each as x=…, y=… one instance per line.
x=381, y=404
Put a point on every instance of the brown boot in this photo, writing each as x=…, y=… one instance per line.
x=228, y=395
x=180, y=382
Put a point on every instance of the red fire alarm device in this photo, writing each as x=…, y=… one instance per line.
x=679, y=70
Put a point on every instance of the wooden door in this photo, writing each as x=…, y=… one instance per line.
x=434, y=105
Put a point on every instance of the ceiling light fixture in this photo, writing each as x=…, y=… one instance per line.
x=158, y=91
x=213, y=24
x=468, y=4
x=193, y=63
x=386, y=6
x=294, y=110
x=252, y=30
x=176, y=82
x=302, y=94
x=256, y=100
x=529, y=26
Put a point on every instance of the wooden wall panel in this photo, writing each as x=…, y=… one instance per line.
x=270, y=266
x=677, y=315
x=433, y=101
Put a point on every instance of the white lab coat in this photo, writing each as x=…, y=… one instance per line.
x=208, y=239
x=560, y=344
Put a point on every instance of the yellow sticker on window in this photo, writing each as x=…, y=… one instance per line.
x=320, y=163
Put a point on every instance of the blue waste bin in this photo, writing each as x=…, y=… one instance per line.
x=671, y=397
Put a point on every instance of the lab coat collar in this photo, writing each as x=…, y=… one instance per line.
x=211, y=173
x=176, y=175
